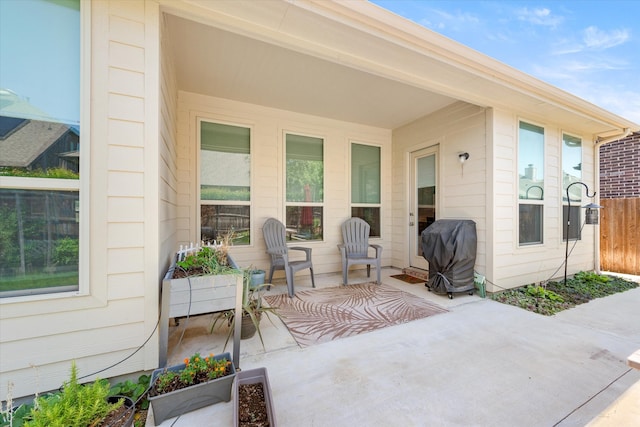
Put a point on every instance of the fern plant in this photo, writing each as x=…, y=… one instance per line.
x=77, y=405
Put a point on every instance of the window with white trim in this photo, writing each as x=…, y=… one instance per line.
x=225, y=183
x=365, y=185
x=304, y=187
x=39, y=146
x=571, y=172
x=530, y=184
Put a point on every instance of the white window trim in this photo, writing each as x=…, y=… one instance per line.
x=322, y=204
x=520, y=201
x=199, y=203
x=82, y=185
x=366, y=205
x=563, y=191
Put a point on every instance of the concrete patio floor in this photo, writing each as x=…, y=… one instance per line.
x=481, y=364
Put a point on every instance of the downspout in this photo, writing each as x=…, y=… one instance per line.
x=597, y=144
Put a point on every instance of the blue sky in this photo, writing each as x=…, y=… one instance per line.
x=47, y=75
x=586, y=47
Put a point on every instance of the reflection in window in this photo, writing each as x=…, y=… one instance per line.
x=530, y=183
x=39, y=234
x=304, y=187
x=426, y=189
x=365, y=185
x=225, y=182
x=218, y=221
x=571, y=172
x=39, y=138
x=530, y=224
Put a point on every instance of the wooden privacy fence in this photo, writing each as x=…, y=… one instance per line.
x=620, y=235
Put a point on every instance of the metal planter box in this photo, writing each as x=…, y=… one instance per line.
x=188, y=399
x=253, y=376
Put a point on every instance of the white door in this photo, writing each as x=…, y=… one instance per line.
x=423, y=206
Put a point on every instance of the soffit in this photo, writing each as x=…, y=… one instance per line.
x=219, y=63
x=352, y=61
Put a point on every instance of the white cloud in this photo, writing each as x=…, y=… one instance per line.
x=597, y=39
x=539, y=16
x=624, y=103
x=440, y=20
x=601, y=64
x=604, y=92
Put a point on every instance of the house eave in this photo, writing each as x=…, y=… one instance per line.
x=365, y=37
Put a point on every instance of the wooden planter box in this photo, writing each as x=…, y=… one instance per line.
x=198, y=295
x=254, y=376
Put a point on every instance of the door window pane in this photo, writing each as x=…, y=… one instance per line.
x=426, y=187
x=304, y=186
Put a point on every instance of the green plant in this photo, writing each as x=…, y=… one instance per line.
x=558, y=296
x=15, y=417
x=208, y=260
x=11, y=416
x=58, y=173
x=197, y=370
x=77, y=405
x=135, y=390
x=590, y=276
x=163, y=382
x=541, y=292
x=66, y=251
x=252, y=307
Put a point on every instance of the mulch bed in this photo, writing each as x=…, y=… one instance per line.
x=558, y=296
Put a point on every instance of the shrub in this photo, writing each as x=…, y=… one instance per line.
x=77, y=405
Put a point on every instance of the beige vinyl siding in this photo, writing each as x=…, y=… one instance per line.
x=168, y=148
x=513, y=265
x=116, y=308
x=268, y=127
x=457, y=128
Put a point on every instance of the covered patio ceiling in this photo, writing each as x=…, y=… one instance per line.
x=214, y=62
x=351, y=61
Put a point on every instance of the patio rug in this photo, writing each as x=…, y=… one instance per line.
x=408, y=279
x=320, y=315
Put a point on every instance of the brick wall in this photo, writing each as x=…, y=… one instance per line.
x=620, y=168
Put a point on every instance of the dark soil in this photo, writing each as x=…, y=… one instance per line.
x=117, y=418
x=181, y=273
x=252, y=407
x=176, y=384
